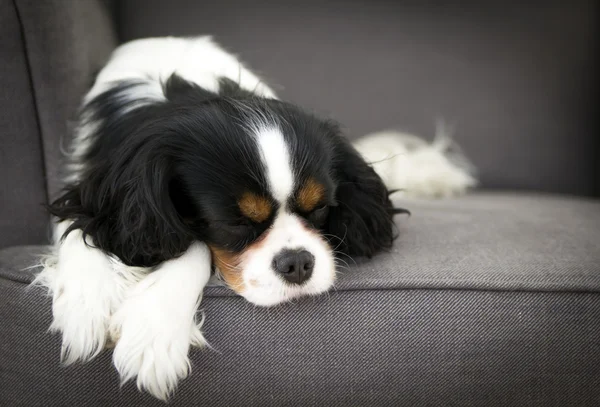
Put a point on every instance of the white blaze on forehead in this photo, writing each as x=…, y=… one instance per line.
x=276, y=158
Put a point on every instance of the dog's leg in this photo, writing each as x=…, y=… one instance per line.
x=87, y=286
x=156, y=324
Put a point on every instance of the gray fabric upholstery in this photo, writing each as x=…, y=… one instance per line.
x=518, y=80
x=22, y=189
x=63, y=59
x=352, y=348
x=491, y=299
x=50, y=52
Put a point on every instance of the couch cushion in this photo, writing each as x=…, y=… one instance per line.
x=487, y=300
x=491, y=241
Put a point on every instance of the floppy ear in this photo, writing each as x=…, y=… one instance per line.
x=126, y=207
x=362, y=219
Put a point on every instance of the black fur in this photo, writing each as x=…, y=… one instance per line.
x=159, y=176
x=363, y=216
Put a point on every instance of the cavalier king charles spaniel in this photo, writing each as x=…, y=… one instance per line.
x=185, y=162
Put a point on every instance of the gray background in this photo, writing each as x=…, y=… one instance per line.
x=518, y=80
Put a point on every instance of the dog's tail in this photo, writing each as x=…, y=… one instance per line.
x=417, y=168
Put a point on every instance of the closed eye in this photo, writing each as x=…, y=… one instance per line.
x=235, y=234
x=237, y=226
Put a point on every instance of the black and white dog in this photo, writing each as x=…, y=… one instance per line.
x=184, y=160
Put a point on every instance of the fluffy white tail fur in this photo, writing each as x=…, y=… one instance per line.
x=417, y=168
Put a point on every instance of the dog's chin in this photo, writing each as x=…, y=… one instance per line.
x=269, y=295
x=268, y=289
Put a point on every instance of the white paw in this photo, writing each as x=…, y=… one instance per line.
x=82, y=302
x=86, y=287
x=81, y=316
x=153, y=334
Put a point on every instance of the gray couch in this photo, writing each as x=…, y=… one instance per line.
x=489, y=299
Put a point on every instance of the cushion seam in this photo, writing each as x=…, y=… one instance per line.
x=524, y=290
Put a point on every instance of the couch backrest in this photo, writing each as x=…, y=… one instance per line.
x=517, y=80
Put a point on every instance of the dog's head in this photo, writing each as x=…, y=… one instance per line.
x=275, y=192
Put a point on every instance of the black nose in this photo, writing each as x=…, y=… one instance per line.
x=296, y=266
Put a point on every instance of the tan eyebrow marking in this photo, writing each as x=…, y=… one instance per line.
x=311, y=193
x=255, y=207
